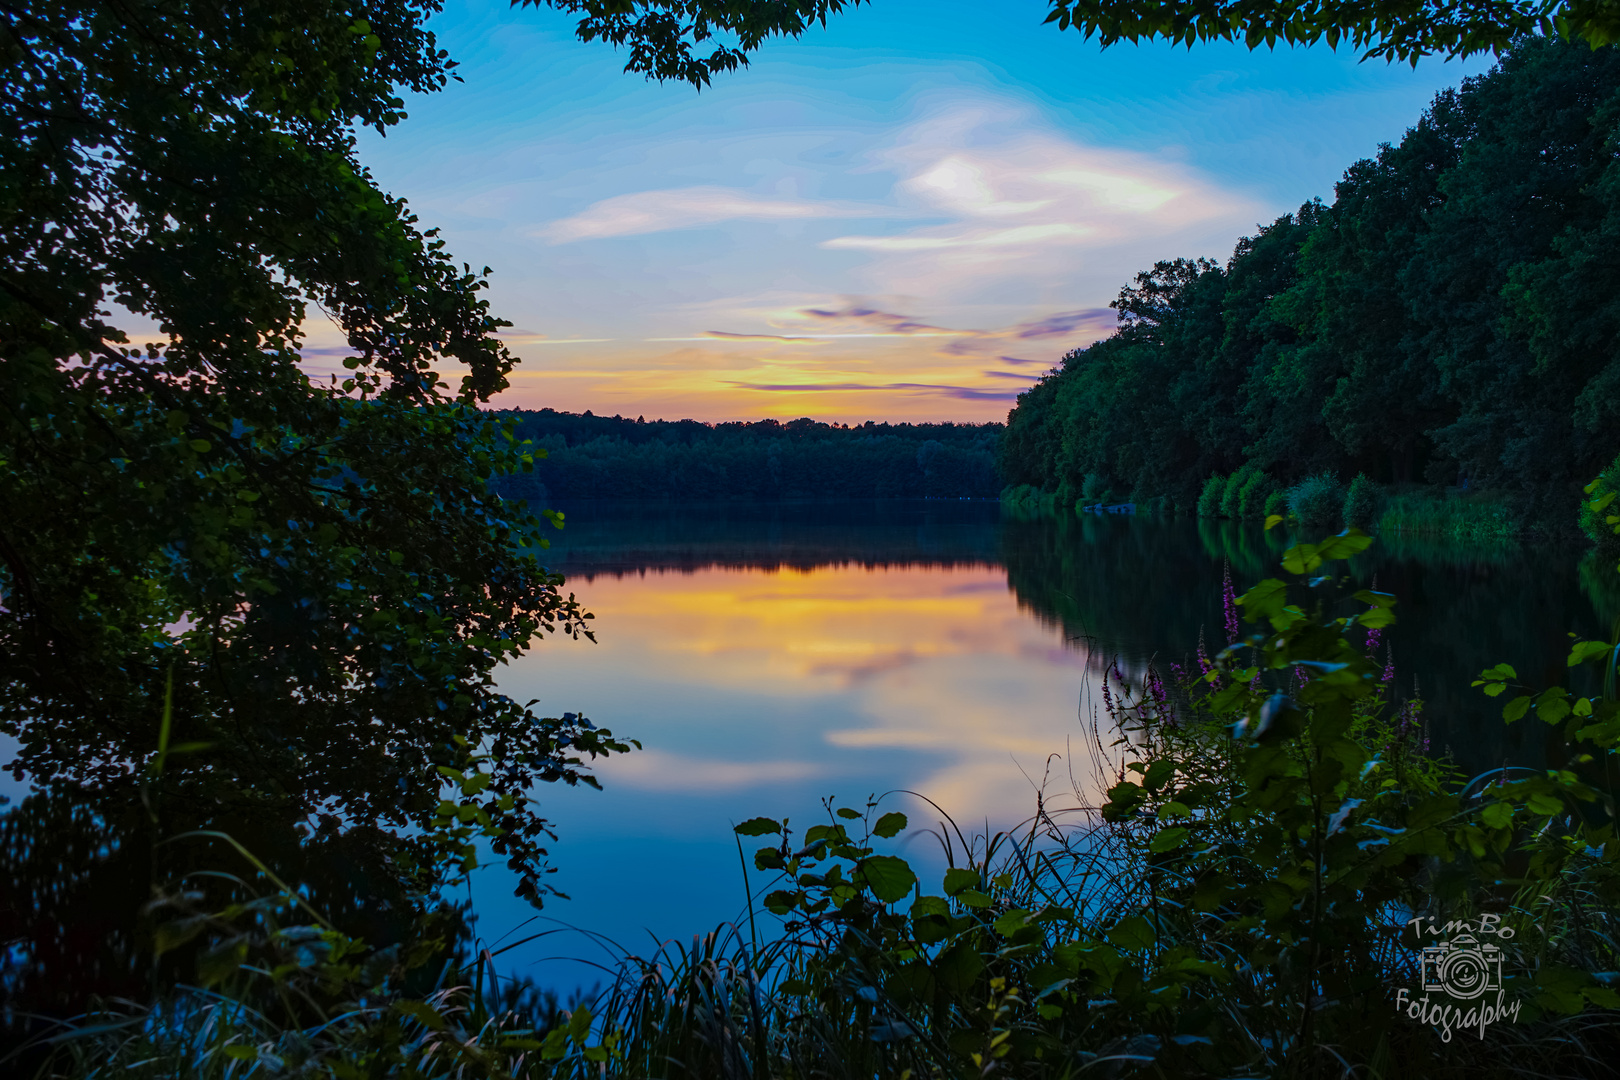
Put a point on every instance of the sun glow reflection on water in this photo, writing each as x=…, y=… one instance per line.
x=760, y=692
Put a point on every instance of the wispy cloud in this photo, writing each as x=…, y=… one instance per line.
x=1007, y=183
x=987, y=241
x=687, y=208
x=961, y=393
x=1064, y=323
x=654, y=770
x=877, y=322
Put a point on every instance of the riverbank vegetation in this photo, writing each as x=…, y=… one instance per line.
x=1250, y=889
x=603, y=457
x=1443, y=328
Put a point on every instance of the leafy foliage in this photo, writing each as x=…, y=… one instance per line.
x=662, y=34
x=1598, y=510
x=1317, y=500
x=320, y=572
x=1241, y=902
x=1361, y=502
x=1449, y=319
x=1389, y=31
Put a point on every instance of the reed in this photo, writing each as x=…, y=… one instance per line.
x=1483, y=516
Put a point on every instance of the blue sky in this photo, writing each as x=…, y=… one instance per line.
x=909, y=215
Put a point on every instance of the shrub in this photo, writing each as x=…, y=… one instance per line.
x=1362, y=503
x=1277, y=502
x=1316, y=500
x=1234, y=490
x=1256, y=493
x=1209, y=501
x=1592, y=520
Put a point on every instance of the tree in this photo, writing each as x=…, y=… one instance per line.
x=662, y=34
x=230, y=596
x=1388, y=29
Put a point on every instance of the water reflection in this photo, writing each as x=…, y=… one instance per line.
x=1144, y=587
x=769, y=656
x=759, y=691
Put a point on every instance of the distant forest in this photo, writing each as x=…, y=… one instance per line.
x=611, y=457
x=1452, y=319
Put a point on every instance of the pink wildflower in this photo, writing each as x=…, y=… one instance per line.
x=1229, y=604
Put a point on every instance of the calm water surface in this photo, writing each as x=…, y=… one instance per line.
x=768, y=657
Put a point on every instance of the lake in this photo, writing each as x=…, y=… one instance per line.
x=768, y=657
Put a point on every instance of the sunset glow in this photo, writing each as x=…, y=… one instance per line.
x=912, y=214
x=937, y=664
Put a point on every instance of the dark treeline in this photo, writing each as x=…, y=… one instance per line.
x=1451, y=319
x=638, y=537
x=603, y=457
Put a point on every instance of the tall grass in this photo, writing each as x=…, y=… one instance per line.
x=1483, y=516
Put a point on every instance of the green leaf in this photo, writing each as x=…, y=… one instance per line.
x=889, y=825
x=848, y=814
x=958, y=967
x=888, y=877
x=1544, y=804
x=1376, y=619
x=1553, y=705
x=782, y=901
x=957, y=879
x=1168, y=839
x=1515, y=709
x=1011, y=922
x=1265, y=601
x=1132, y=935
x=1158, y=774
x=1584, y=651
x=759, y=826
x=1301, y=559
x=579, y=1025
x=1350, y=542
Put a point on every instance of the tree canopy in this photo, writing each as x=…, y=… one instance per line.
x=1385, y=29
x=1449, y=318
